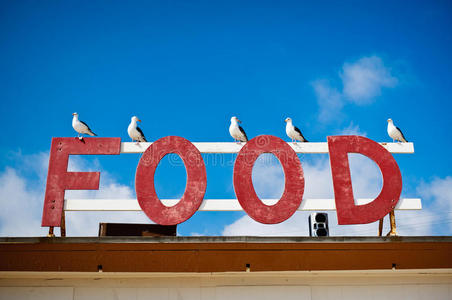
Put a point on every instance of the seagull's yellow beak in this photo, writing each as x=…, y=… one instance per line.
x=138, y=120
x=239, y=121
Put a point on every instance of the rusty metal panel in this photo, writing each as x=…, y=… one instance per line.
x=195, y=186
x=347, y=211
x=243, y=183
x=59, y=180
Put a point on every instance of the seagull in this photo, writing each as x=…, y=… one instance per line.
x=395, y=133
x=293, y=132
x=81, y=127
x=135, y=133
x=237, y=131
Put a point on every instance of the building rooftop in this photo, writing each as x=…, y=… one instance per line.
x=223, y=254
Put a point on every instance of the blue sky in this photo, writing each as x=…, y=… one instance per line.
x=185, y=68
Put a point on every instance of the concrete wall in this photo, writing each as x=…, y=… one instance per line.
x=397, y=285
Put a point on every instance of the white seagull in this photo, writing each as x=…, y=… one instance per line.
x=135, y=133
x=293, y=132
x=395, y=133
x=81, y=127
x=237, y=131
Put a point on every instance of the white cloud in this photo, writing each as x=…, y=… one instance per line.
x=352, y=129
x=21, y=206
x=329, y=100
x=435, y=218
x=362, y=81
x=21, y=199
x=294, y=226
x=318, y=184
x=268, y=176
x=440, y=190
x=87, y=223
x=22, y=196
x=437, y=199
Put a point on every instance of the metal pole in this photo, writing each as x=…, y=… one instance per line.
x=63, y=224
x=51, y=234
x=380, y=227
x=393, y=224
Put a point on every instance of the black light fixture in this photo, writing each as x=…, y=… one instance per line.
x=318, y=224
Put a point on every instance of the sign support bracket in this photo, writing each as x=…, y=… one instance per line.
x=392, y=221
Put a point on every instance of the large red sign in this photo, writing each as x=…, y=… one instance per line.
x=59, y=180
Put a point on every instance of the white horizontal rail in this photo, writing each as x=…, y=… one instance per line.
x=217, y=204
x=207, y=147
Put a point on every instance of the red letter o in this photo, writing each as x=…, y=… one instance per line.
x=243, y=184
x=194, y=190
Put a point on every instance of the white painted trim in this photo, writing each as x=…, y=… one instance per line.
x=217, y=204
x=392, y=275
x=208, y=147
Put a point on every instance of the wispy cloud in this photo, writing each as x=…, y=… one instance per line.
x=22, y=196
x=329, y=100
x=318, y=184
x=438, y=195
x=352, y=129
x=434, y=219
x=87, y=223
x=362, y=81
x=268, y=176
x=21, y=206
